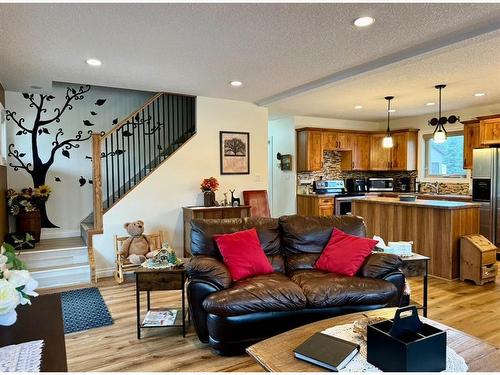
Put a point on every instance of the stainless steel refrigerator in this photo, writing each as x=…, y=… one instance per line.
x=486, y=190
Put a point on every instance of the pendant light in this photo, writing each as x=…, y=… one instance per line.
x=439, y=122
x=387, y=141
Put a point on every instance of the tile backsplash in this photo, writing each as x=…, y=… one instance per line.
x=331, y=171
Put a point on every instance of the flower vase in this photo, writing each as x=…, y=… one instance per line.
x=209, y=198
x=29, y=222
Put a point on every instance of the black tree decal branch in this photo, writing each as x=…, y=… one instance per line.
x=37, y=168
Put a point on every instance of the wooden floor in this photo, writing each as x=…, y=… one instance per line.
x=470, y=308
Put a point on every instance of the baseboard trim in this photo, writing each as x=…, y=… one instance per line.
x=51, y=233
x=105, y=272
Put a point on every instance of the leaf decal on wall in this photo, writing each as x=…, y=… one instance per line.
x=119, y=152
x=100, y=102
x=46, y=131
x=20, y=132
x=73, y=91
x=50, y=97
x=22, y=155
x=58, y=179
x=126, y=133
x=25, y=95
x=115, y=121
x=39, y=131
x=87, y=123
x=88, y=157
x=82, y=181
x=91, y=182
x=93, y=113
x=65, y=153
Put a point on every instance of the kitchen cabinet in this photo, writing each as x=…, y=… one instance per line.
x=404, y=151
x=380, y=157
x=309, y=150
x=361, y=152
x=471, y=141
x=401, y=157
x=315, y=205
x=489, y=130
x=337, y=140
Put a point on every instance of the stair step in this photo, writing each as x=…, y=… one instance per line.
x=56, y=277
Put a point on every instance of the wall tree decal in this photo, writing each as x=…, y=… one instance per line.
x=38, y=168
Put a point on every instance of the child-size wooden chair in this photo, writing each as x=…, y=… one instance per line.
x=122, y=264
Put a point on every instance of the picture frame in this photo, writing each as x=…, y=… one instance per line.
x=234, y=148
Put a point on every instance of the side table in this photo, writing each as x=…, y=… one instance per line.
x=149, y=280
x=418, y=265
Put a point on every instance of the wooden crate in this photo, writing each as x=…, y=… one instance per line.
x=477, y=259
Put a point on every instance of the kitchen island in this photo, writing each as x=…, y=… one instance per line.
x=434, y=226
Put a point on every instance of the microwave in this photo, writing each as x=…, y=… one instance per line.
x=381, y=184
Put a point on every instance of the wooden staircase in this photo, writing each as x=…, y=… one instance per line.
x=124, y=156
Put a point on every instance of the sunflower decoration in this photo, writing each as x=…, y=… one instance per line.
x=43, y=191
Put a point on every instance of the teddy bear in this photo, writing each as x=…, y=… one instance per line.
x=136, y=248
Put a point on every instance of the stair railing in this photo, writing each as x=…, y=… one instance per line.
x=133, y=148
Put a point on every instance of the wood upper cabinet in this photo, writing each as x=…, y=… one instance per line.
x=471, y=141
x=309, y=150
x=404, y=151
x=401, y=157
x=380, y=157
x=361, y=152
x=337, y=140
x=489, y=130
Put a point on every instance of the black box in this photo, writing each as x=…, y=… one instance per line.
x=405, y=344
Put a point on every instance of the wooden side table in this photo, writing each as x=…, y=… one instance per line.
x=149, y=280
x=418, y=265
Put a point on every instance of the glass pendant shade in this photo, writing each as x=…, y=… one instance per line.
x=387, y=142
x=439, y=136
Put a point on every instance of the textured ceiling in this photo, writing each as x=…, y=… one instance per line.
x=198, y=48
x=467, y=68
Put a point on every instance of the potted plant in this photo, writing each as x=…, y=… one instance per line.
x=16, y=285
x=25, y=206
x=209, y=186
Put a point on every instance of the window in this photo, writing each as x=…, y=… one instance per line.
x=445, y=159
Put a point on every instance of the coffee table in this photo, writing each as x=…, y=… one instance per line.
x=276, y=353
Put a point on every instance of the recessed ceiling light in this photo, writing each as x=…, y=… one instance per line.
x=358, y=107
x=430, y=103
x=36, y=87
x=364, y=21
x=391, y=110
x=236, y=83
x=93, y=62
x=479, y=94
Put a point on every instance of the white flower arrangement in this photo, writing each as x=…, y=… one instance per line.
x=16, y=285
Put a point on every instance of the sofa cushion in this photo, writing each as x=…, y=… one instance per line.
x=273, y=292
x=209, y=269
x=302, y=261
x=202, y=234
x=303, y=234
x=242, y=254
x=378, y=265
x=344, y=254
x=269, y=233
x=325, y=289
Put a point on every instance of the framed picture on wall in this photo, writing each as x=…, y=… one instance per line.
x=234, y=152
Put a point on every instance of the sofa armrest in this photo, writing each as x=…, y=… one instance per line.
x=209, y=269
x=378, y=265
x=398, y=279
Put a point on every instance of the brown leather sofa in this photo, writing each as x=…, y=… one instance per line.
x=231, y=316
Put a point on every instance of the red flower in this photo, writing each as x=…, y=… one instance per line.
x=209, y=184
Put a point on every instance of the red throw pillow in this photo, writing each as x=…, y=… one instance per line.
x=243, y=254
x=344, y=254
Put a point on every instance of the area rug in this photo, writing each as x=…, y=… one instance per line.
x=84, y=309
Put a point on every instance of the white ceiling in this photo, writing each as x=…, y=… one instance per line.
x=276, y=49
x=466, y=68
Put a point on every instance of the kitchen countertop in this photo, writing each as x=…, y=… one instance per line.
x=440, y=204
x=395, y=194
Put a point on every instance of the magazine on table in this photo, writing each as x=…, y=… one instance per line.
x=160, y=318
